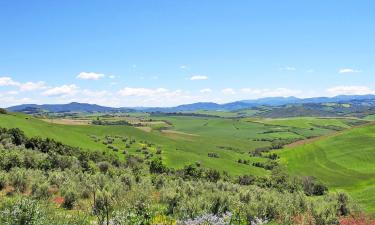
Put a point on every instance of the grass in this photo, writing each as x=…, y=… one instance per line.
x=344, y=162
x=370, y=117
x=190, y=138
x=177, y=149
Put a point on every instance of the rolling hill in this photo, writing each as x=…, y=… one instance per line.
x=344, y=161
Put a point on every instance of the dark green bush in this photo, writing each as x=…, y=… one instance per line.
x=70, y=199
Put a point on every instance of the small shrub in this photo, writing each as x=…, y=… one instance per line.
x=70, y=198
x=104, y=167
x=22, y=211
x=40, y=191
x=157, y=166
x=3, y=111
x=18, y=179
x=3, y=180
x=213, y=155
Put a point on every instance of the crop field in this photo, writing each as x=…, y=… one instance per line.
x=182, y=139
x=343, y=162
x=370, y=117
x=178, y=149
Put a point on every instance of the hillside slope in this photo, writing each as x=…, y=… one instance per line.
x=344, y=162
x=177, y=149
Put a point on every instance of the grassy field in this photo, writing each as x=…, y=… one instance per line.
x=370, y=117
x=185, y=139
x=228, y=114
x=178, y=149
x=344, y=162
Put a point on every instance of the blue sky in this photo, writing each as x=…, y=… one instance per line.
x=164, y=53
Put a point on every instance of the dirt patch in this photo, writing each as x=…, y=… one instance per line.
x=146, y=129
x=178, y=132
x=67, y=121
x=177, y=135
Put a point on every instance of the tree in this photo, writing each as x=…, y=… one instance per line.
x=3, y=111
x=103, y=206
x=213, y=175
x=18, y=137
x=157, y=166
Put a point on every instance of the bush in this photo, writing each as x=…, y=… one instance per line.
x=157, y=166
x=18, y=179
x=70, y=199
x=3, y=180
x=40, y=191
x=246, y=180
x=313, y=187
x=104, y=167
x=212, y=175
x=3, y=111
x=213, y=155
x=21, y=212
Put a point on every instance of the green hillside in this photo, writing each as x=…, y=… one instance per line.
x=186, y=139
x=343, y=162
x=178, y=149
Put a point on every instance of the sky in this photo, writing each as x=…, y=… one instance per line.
x=171, y=52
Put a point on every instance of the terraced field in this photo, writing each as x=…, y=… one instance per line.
x=344, y=162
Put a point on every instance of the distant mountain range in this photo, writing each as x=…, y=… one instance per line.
x=367, y=100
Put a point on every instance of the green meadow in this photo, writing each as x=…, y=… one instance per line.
x=342, y=158
x=183, y=139
x=343, y=162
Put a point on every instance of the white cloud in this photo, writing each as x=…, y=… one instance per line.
x=266, y=92
x=155, y=97
x=350, y=90
x=6, y=101
x=128, y=91
x=32, y=86
x=112, y=76
x=228, y=91
x=28, y=86
x=183, y=67
x=8, y=81
x=288, y=68
x=64, y=90
x=198, y=77
x=205, y=91
x=90, y=76
x=12, y=93
x=349, y=70
x=95, y=94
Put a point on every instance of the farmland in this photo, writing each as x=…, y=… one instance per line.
x=344, y=162
x=313, y=146
x=183, y=139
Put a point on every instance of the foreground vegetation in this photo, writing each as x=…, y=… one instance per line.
x=43, y=181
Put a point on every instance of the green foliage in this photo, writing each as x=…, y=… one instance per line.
x=40, y=191
x=3, y=111
x=70, y=198
x=21, y=212
x=18, y=179
x=3, y=180
x=157, y=166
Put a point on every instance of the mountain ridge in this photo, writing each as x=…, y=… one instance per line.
x=230, y=106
